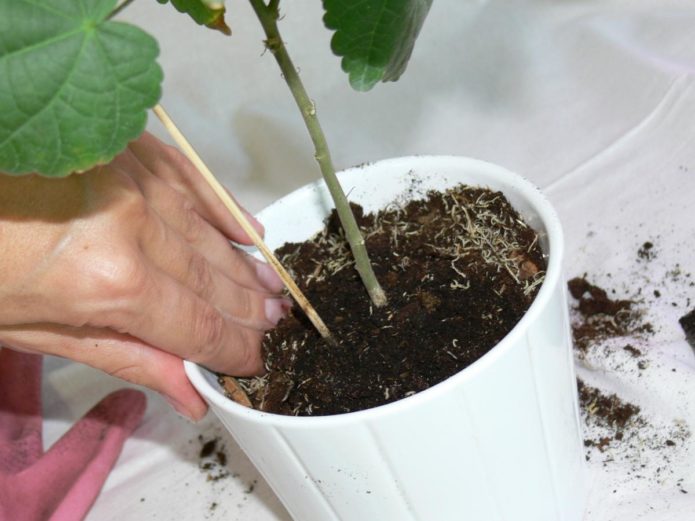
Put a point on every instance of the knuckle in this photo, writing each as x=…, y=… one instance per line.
x=170, y=160
x=244, y=305
x=115, y=277
x=210, y=329
x=200, y=276
x=175, y=157
x=138, y=210
x=250, y=362
x=132, y=202
x=159, y=164
x=239, y=261
x=191, y=221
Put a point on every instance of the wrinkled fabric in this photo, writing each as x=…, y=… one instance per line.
x=61, y=483
x=592, y=101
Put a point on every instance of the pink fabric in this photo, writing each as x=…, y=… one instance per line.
x=62, y=483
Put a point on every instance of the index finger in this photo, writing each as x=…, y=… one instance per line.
x=169, y=164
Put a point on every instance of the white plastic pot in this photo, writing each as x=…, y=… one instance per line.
x=499, y=441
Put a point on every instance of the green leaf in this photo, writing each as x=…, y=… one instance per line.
x=375, y=38
x=74, y=87
x=204, y=12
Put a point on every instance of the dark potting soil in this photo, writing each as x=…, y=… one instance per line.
x=647, y=251
x=609, y=411
x=459, y=268
x=213, y=459
x=600, y=317
x=687, y=322
x=615, y=430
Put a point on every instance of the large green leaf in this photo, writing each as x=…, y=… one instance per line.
x=375, y=38
x=205, y=12
x=74, y=87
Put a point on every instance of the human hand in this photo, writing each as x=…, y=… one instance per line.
x=128, y=268
x=62, y=483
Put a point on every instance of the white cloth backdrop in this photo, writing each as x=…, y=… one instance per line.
x=594, y=101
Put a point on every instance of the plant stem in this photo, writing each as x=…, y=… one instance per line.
x=119, y=8
x=273, y=7
x=268, y=16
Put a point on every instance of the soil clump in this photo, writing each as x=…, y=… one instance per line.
x=598, y=317
x=607, y=411
x=687, y=322
x=612, y=334
x=460, y=269
x=213, y=459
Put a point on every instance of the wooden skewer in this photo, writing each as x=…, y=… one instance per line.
x=243, y=221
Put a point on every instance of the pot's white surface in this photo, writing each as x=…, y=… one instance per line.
x=500, y=441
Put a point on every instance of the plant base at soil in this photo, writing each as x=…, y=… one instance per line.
x=460, y=269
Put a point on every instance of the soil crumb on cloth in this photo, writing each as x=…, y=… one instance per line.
x=598, y=317
x=213, y=459
x=687, y=322
x=617, y=433
x=607, y=411
x=614, y=334
x=647, y=251
x=460, y=268
x=227, y=490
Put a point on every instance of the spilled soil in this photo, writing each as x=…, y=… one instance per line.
x=613, y=333
x=687, y=322
x=599, y=317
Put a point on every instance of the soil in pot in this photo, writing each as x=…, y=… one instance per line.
x=460, y=269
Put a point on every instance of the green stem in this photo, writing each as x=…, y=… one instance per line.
x=273, y=6
x=120, y=8
x=268, y=16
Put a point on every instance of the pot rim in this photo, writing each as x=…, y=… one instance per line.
x=550, y=221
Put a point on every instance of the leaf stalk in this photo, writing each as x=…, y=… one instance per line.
x=119, y=8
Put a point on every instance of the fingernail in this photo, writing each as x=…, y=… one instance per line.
x=268, y=277
x=260, y=229
x=276, y=309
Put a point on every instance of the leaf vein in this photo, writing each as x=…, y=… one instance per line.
x=49, y=9
x=48, y=104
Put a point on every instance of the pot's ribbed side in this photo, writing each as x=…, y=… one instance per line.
x=499, y=441
x=502, y=446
